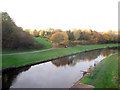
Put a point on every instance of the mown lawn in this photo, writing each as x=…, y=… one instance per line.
x=22, y=59
x=43, y=41
x=105, y=74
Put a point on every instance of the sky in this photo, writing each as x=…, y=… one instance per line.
x=99, y=15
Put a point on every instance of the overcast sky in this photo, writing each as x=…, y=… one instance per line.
x=99, y=15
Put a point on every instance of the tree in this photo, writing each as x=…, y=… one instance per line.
x=41, y=33
x=13, y=37
x=27, y=30
x=106, y=38
x=94, y=37
x=87, y=34
x=51, y=29
x=60, y=38
x=31, y=32
x=77, y=34
x=113, y=36
x=35, y=33
x=57, y=30
x=70, y=35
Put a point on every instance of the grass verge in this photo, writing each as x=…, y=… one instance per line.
x=105, y=74
x=29, y=58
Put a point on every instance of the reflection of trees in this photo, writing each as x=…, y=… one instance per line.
x=107, y=52
x=9, y=77
x=88, y=55
x=61, y=62
x=64, y=61
x=72, y=60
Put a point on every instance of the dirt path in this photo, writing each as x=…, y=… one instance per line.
x=29, y=52
x=81, y=85
x=53, y=47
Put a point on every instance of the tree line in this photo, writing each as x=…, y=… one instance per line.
x=77, y=36
x=14, y=37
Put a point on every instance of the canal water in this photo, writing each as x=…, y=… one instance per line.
x=60, y=73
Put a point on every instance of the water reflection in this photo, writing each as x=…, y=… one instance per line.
x=9, y=78
x=86, y=56
x=60, y=73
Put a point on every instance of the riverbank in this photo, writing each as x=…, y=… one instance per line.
x=105, y=74
x=30, y=58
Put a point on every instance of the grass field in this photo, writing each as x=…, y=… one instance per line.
x=43, y=41
x=18, y=60
x=105, y=74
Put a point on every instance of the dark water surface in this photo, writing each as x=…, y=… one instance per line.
x=60, y=73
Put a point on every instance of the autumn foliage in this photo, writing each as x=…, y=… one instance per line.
x=60, y=38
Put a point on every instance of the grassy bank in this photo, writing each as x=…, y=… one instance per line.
x=105, y=74
x=43, y=41
x=18, y=60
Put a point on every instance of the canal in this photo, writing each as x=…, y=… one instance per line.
x=59, y=73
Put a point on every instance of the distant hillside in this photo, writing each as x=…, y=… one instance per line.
x=13, y=37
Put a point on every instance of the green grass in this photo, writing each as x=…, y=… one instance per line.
x=22, y=59
x=43, y=41
x=105, y=74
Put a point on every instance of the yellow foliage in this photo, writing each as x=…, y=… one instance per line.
x=31, y=32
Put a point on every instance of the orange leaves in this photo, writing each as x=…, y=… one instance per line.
x=59, y=38
x=106, y=37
